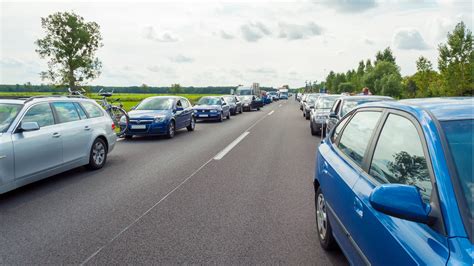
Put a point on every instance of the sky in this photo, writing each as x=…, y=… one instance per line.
x=227, y=43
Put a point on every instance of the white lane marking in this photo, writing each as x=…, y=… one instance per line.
x=3, y=156
x=120, y=139
x=229, y=147
x=145, y=213
x=271, y=112
x=279, y=105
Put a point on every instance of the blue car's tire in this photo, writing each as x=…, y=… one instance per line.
x=192, y=124
x=221, y=117
x=326, y=239
x=171, y=130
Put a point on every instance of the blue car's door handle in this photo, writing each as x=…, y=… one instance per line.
x=325, y=167
x=358, y=207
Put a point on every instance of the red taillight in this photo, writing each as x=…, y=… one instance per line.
x=113, y=126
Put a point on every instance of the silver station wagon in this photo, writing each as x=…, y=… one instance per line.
x=44, y=136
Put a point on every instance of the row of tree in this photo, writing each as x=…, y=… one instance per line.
x=382, y=76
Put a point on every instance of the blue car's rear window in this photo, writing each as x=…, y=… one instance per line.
x=459, y=135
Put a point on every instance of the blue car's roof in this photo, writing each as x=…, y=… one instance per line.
x=453, y=108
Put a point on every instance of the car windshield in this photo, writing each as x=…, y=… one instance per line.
x=352, y=103
x=155, y=104
x=209, y=101
x=8, y=113
x=246, y=97
x=325, y=102
x=245, y=92
x=229, y=99
x=459, y=135
x=311, y=98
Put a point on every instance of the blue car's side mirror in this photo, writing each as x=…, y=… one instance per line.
x=401, y=201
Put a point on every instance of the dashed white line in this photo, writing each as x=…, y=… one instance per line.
x=229, y=147
x=271, y=112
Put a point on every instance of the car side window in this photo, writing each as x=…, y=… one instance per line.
x=92, y=109
x=399, y=157
x=184, y=103
x=66, y=112
x=178, y=104
x=338, y=129
x=81, y=112
x=41, y=114
x=356, y=135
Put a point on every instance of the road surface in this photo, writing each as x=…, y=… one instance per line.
x=236, y=192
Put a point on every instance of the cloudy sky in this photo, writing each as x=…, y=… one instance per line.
x=210, y=43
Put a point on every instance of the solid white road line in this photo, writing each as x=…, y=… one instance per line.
x=229, y=147
x=271, y=112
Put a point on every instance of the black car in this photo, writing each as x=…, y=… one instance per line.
x=345, y=104
x=250, y=102
x=234, y=103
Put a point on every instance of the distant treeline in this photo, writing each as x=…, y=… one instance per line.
x=132, y=89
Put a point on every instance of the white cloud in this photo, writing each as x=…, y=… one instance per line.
x=351, y=6
x=181, y=59
x=296, y=31
x=225, y=35
x=409, y=39
x=150, y=33
x=252, y=32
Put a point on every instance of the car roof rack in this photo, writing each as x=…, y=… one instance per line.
x=29, y=99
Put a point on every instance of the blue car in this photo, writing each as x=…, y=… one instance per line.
x=160, y=115
x=212, y=108
x=394, y=183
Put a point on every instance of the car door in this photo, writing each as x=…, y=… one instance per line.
x=76, y=133
x=39, y=150
x=399, y=156
x=225, y=107
x=187, y=112
x=180, y=115
x=342, y=167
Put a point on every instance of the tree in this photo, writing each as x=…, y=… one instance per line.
x=377, y=79
x=368, y=66
x=70, y=45
x=424, y=77
x=455, y=61
x=385, y=55
x=176, y=88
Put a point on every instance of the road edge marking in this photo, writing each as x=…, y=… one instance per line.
x=229, y=147
x=271, y=112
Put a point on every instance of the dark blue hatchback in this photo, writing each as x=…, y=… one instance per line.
x=160, y=115
x=394, y=183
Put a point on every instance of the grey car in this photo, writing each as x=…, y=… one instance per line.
x=44, y=136
x=320, y=113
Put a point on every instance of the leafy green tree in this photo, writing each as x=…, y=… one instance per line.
x=70, y=45
x=346, y=87
x=409, y=88
x=455, y=61
x=385, y=55
x=330, y=82
x=368, y=66
x=176, y=88
x=375, y=81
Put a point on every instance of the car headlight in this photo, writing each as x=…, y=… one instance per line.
x=123, y=120
x=159, y=119
x=213, y=111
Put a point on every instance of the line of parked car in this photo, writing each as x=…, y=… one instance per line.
x=45, y=135
x=394, y=179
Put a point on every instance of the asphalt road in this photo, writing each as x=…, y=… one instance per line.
x=188, y=200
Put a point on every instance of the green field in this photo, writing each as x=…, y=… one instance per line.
x=128, y=99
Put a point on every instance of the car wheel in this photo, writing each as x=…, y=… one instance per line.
x=192, y=124
x=221, y=117
x=307, y=116
x=128, y=136
x=171, y=130
x=326, y=239
x=258, y=108
x=241, y=110
x=304, y=113
x=313, y=132
x=98, y=154
x=228, y=116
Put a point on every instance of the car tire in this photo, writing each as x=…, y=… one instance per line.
x=228, y=116
x=192, y=124
x=258, y=108
x=128, y=137
x=313, y=132
x=241, y=110
x=326, y=238
x=307, y=116
x=221, y=118
x=171, y=130
x=97, y=155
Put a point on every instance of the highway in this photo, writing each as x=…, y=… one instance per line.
x=236, y=192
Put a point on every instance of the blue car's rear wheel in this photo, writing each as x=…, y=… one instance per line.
x=192, y=124
x=171, y=130
x=326, y=239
